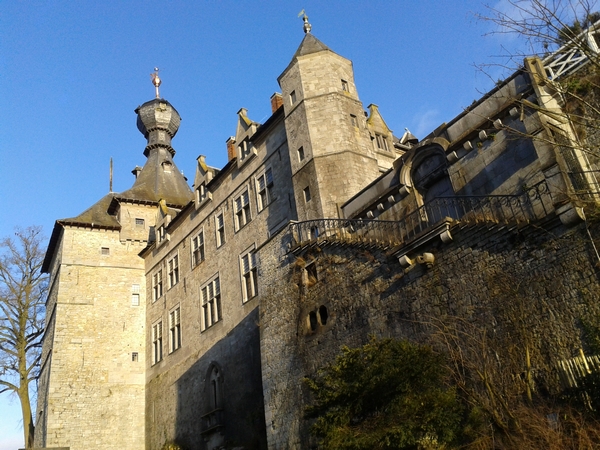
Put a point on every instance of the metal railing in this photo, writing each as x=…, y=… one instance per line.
x=573, y=55
x=535, y=203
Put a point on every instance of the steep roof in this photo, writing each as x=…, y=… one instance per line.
x=95, y=216
x=159, y=179
x=310, y=44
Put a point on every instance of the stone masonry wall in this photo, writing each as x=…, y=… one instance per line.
x=544, y=279
x=96, y=385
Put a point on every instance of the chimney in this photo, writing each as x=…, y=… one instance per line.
x=276, y=101
x=231, y=153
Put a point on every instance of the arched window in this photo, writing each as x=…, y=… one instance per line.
x=430, y=178
x=214, y=388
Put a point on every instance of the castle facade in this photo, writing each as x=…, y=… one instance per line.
x=190, y=315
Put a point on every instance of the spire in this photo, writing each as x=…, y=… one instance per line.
x=156, y=81
x=307, y=26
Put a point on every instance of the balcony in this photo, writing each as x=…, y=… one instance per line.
x=433, y=219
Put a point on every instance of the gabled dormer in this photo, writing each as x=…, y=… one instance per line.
x=244, y=131
x=204, y=175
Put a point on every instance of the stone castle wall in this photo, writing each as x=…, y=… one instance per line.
x=95, y=331
x=544, y=279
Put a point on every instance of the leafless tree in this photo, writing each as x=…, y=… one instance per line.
x=22, y=294
x=542, y=26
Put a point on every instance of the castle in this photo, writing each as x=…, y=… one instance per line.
x=191, y=315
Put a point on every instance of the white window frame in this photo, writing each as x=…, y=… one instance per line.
x=264, y=189
x=157, y=285
x=249, y=275
x=241, y=210
x=210, y=299
x=197, y=247
x=157, y=350
x=175, y=329
x=173, y=270
x=135, y=295
x=220, y=228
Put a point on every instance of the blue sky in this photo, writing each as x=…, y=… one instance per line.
x=72, y=73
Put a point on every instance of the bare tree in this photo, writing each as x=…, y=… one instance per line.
x=543, y=26
x=22, y=294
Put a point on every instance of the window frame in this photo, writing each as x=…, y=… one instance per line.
x=307, y=194
x=242, y=214
x=220, y=236
x=175, y=329
x=157, y=338
x=249, y=275
x=198, y=246
x=173, y=274
x=210, y=302
x=157, y=285
x=264, y=194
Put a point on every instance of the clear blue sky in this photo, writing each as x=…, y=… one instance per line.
x=72, y=73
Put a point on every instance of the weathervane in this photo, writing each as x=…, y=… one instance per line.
x=307, y=26
x=155, y=81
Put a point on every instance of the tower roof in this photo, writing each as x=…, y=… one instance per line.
x=310, y=44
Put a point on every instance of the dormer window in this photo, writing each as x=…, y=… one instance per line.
x=245, y=148
x=381, y=142
x=201, y=192
x=161, y=234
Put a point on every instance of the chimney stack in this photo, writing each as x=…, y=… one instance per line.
x=276, y=102
x=231, y=153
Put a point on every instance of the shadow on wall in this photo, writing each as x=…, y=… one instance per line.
x=220, y=398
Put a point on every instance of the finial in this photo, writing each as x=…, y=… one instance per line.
x=307, y=26
x=156, y=81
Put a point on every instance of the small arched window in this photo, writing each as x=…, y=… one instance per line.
x=214, y=385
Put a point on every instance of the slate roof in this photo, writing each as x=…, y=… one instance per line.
x=154, y=183
x=310, y=44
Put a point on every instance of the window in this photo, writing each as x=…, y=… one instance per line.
x=265, y=188
x=249, y=276
x=198, y=249
x=201, y=192
x=242, y=210
x=135, y=295
x=307, y=194
x=134, y=356
x=354, y=120
x=345, y=86
x=215, y=380
x=174, y=329
x=157, y=286
x=211, y=304
x=157, y=342
x=381, y=142
x=293, y=97
x=161, y=233
x=105, y=251
x=220, y=227
x=140, y=223
x=245, y=148
x=173, y=266
x=300, y=153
